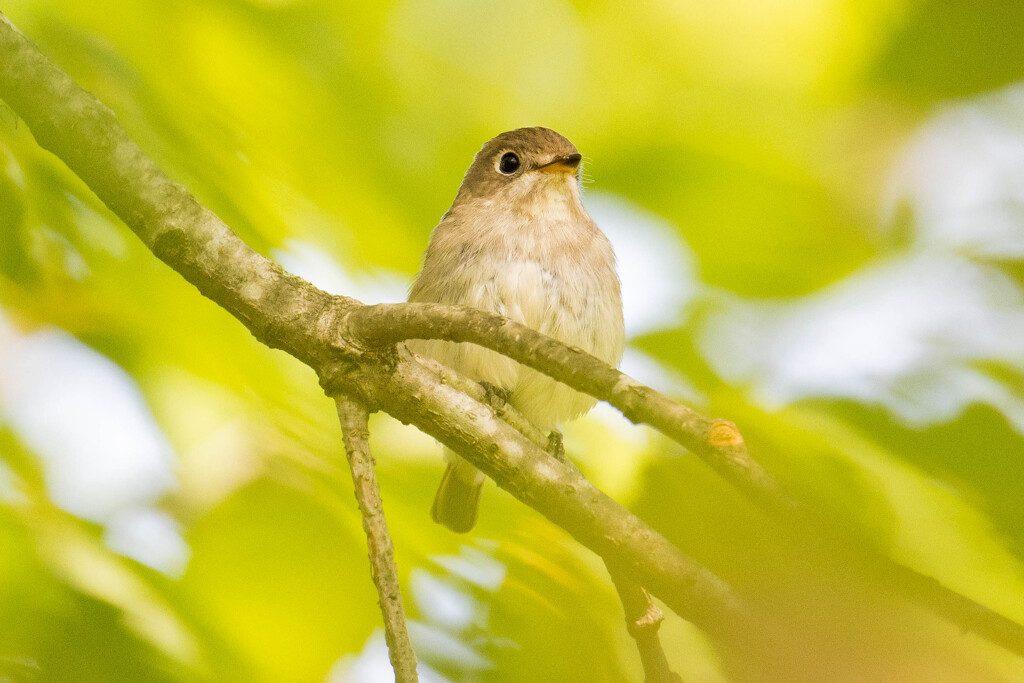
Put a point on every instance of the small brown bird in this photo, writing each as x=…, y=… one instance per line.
x=518, y=242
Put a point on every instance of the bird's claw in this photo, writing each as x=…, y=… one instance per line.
x=494, y=392
x=555, y=446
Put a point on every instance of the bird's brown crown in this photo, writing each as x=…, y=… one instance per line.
x=507, y=157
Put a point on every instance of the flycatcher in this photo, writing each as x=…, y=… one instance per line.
x=518, y=242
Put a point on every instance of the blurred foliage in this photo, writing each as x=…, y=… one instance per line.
x=766, y=134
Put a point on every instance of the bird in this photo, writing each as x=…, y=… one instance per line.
x=518, y=242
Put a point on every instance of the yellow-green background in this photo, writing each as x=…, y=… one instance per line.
x=856, y=165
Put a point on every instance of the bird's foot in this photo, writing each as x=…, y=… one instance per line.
x=555, y=446
x=494, y=392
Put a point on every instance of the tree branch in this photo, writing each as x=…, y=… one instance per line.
x=643, y=618
x=412, y=393
x=717, y=442
x=968, y=614
x=287, y=313
x=323, y=331
x=278, y=308
x=353, y=417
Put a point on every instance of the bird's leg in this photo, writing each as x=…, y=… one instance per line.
x=496, y=396
x=555, y=446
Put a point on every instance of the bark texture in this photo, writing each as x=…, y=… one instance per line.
x=353, y=418
x=355, y=351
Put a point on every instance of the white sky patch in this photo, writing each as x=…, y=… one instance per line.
x=440, y=645
x=314, y=264
x=657, y=269
x=441, y=602
x=474, y=566
x=914, y=332
x=963, y=176
x=656, y=375
x=85, y=417
x=151, y=537
x=636, y=436
x=906, y=333
x=101, y=450
x=372, y=665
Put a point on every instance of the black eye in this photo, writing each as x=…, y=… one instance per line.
x=509, y=163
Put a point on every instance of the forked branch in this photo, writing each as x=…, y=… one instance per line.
x=352, y=349
x=717, y=442
x=354, y=429
x=287, y=313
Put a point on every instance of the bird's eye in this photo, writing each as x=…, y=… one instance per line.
x=509, y=163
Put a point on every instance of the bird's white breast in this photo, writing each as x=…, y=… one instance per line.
x=552, y=270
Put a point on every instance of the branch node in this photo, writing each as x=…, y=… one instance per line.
x=357, y=376
x=724, y=433
x=287, y=313
x=650, y=620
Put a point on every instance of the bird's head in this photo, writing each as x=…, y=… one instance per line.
x=522, y=167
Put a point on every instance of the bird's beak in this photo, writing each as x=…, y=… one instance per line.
x=564, y=164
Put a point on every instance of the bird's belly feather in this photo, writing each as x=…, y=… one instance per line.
x=568, y=304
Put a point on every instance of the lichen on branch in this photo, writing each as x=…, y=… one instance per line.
x=354, y=350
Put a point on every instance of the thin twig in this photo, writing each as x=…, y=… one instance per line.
x=643, y=618
x=717, y=442
x=561, y=493
x=353, y=416
x=285, y=312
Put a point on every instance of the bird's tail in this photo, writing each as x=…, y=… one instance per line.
x=458, y=496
